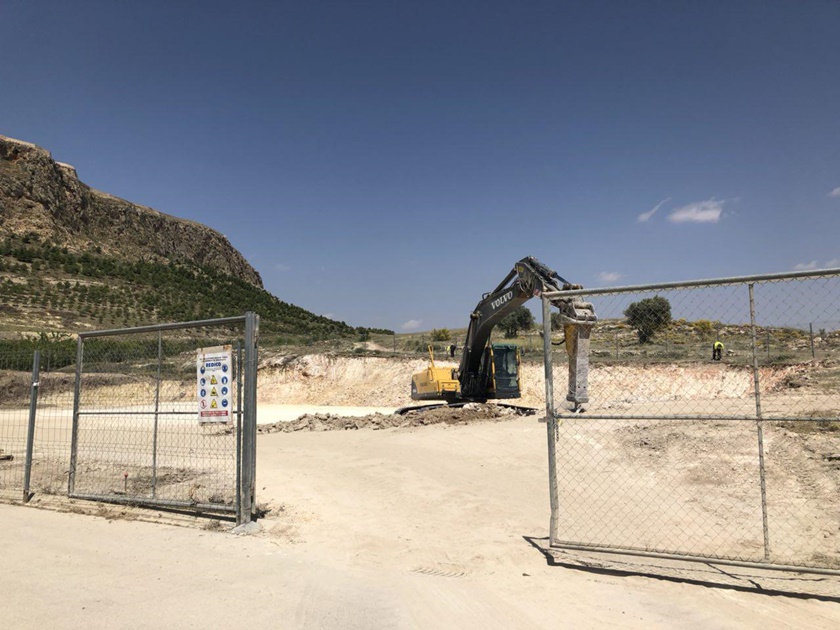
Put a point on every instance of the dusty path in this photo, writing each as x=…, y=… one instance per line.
x=398, y=528
x=382, y=527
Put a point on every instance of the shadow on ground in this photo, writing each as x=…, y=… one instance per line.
x=708, y=574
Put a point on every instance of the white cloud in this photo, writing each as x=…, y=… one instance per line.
x=835, y=192
x=708, y=211
x=412, y=324
x=282, y=268
x=815, y=264
x=330, y=316
x=647, y=215
x=609, y=276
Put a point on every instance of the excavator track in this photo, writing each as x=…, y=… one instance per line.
x=520, y=409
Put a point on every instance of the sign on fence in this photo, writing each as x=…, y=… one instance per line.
x=213, y=371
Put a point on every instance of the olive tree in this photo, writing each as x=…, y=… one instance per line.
x=520, y=319
x=649, y=316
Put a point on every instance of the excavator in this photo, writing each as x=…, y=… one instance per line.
x=491, y=371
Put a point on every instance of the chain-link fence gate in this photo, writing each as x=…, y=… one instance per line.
x=712, y=429
x=159, y=416
x=36, y=402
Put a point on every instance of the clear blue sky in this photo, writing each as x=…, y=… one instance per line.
x=386, y=162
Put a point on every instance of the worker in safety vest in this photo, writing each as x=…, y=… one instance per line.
x=717, y=351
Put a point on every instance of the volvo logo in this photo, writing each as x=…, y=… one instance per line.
x=501, y=300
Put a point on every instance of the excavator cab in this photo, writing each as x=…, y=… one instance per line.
x=501, y=368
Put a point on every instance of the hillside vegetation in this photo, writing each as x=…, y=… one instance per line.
x=49, y=289
x=74, y=259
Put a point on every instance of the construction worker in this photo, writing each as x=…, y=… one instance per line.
x=717, y=351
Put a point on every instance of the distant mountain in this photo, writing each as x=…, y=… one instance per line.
x=42, y=197
x=74, y=258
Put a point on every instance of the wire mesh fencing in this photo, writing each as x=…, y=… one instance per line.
x=15, y=394
x=36, y=402
x=712, y=429
x=160, y=415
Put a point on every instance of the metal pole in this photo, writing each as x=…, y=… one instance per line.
x=239, y=520
x=811, y=328
x=157, y=409
x=74, y=434
x=249, y=428
x=754, y=354
x=550, y=424
x=759, y=429
x=255, y=340
x=30, y=435
x=244, y=515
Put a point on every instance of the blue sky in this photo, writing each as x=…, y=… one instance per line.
x=386, y=163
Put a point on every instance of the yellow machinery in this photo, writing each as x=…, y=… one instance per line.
x=490, y=370
x=435, y=383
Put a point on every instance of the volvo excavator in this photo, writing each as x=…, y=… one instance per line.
x=491, y=371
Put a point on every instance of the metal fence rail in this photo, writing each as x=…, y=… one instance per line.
x=123, y=424
x=35, y=418
x=15, y=394
x=695, y=454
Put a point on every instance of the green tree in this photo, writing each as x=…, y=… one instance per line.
x=649, y=316
x=441, y=334
x=520, y=319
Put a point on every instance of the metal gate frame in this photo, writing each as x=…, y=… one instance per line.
x=246, y=429
x=552, y=417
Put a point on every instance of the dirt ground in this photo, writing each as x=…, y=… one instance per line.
x=371, y=520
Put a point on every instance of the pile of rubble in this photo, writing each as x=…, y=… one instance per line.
x=466, y=414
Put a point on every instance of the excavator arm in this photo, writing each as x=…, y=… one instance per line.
x=529, y=278
x=491, y=371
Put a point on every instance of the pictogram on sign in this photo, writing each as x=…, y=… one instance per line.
x=212, y=365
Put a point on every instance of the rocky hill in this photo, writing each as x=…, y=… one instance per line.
x=73, y=258
x=45, y=198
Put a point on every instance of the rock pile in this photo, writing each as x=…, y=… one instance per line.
x=439, y=415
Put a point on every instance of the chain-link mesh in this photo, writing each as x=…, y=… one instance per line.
x=138, y=432
x=15, y=390
x=713, y=424
x=51, y=439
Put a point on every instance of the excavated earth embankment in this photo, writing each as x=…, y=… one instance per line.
x=329, y=380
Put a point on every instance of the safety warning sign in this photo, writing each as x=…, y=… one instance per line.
x=214, y=366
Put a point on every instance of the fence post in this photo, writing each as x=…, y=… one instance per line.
x=239, y=433
x=759, y=428
x=811, y=328
x=74, y=434
x=30, y=435
x=247, y=506
x=550, y=423
x=157, y=413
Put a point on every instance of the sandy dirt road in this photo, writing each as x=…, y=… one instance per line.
x=418, y=527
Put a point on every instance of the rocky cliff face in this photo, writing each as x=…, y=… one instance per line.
x=40, y=195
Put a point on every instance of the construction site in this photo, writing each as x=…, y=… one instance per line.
x=650, y=481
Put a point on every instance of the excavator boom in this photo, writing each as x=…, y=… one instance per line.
x=489, y=371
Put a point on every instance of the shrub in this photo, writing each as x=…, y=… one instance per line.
x=442, y=334
x=649, y=316
x=520, y=319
